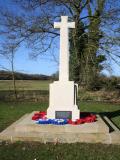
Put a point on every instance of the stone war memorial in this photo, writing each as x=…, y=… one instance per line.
x=63, y=92
x=63, y=122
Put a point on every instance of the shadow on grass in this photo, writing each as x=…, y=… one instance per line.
x=110, y=115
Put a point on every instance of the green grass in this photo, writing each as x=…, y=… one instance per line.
x=36, y=151
x=112, y=111
x=25, y=85
x=10, y=112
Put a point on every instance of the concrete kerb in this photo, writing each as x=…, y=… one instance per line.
x=111, y=124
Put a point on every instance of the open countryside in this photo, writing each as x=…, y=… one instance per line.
x=25, y=84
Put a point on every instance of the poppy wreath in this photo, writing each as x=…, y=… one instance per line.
x=39, y=115
x=43, y=121
x=41, y=118
x=52, y=121
x=60, y=121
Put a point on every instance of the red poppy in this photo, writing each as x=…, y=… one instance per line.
x=86, y=118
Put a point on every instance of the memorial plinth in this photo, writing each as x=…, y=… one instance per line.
x=25, y=129
x=63, y=93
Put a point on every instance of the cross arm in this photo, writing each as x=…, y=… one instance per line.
x=71, y=25
x=57, y=24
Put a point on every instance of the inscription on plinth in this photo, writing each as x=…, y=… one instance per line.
x=63, y=114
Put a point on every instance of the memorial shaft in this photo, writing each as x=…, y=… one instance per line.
x=64, y=26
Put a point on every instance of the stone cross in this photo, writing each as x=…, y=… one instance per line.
x=64, y=26
x=63, y=93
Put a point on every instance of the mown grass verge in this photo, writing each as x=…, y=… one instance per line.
x=37, y=151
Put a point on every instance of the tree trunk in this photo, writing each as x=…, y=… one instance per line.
x=13, y=76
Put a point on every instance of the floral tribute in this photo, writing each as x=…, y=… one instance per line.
x=41, y=118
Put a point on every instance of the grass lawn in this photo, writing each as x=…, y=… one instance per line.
x=37, y=151
x=25, y=84
x=10, y=112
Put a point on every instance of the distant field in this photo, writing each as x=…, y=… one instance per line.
x=43, y=85
x=25, y=84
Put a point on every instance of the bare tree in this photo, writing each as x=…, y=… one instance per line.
x=8, y=51
x=33, y=26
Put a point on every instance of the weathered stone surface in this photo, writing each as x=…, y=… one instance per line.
x=28, y=125
x=115, y=138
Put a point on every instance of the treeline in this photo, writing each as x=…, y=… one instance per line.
x=106, y=83
x=101, y=82
x=7, y=75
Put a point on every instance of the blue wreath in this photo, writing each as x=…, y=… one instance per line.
x=43, y=121
x=52, y=121
x=59, y=121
